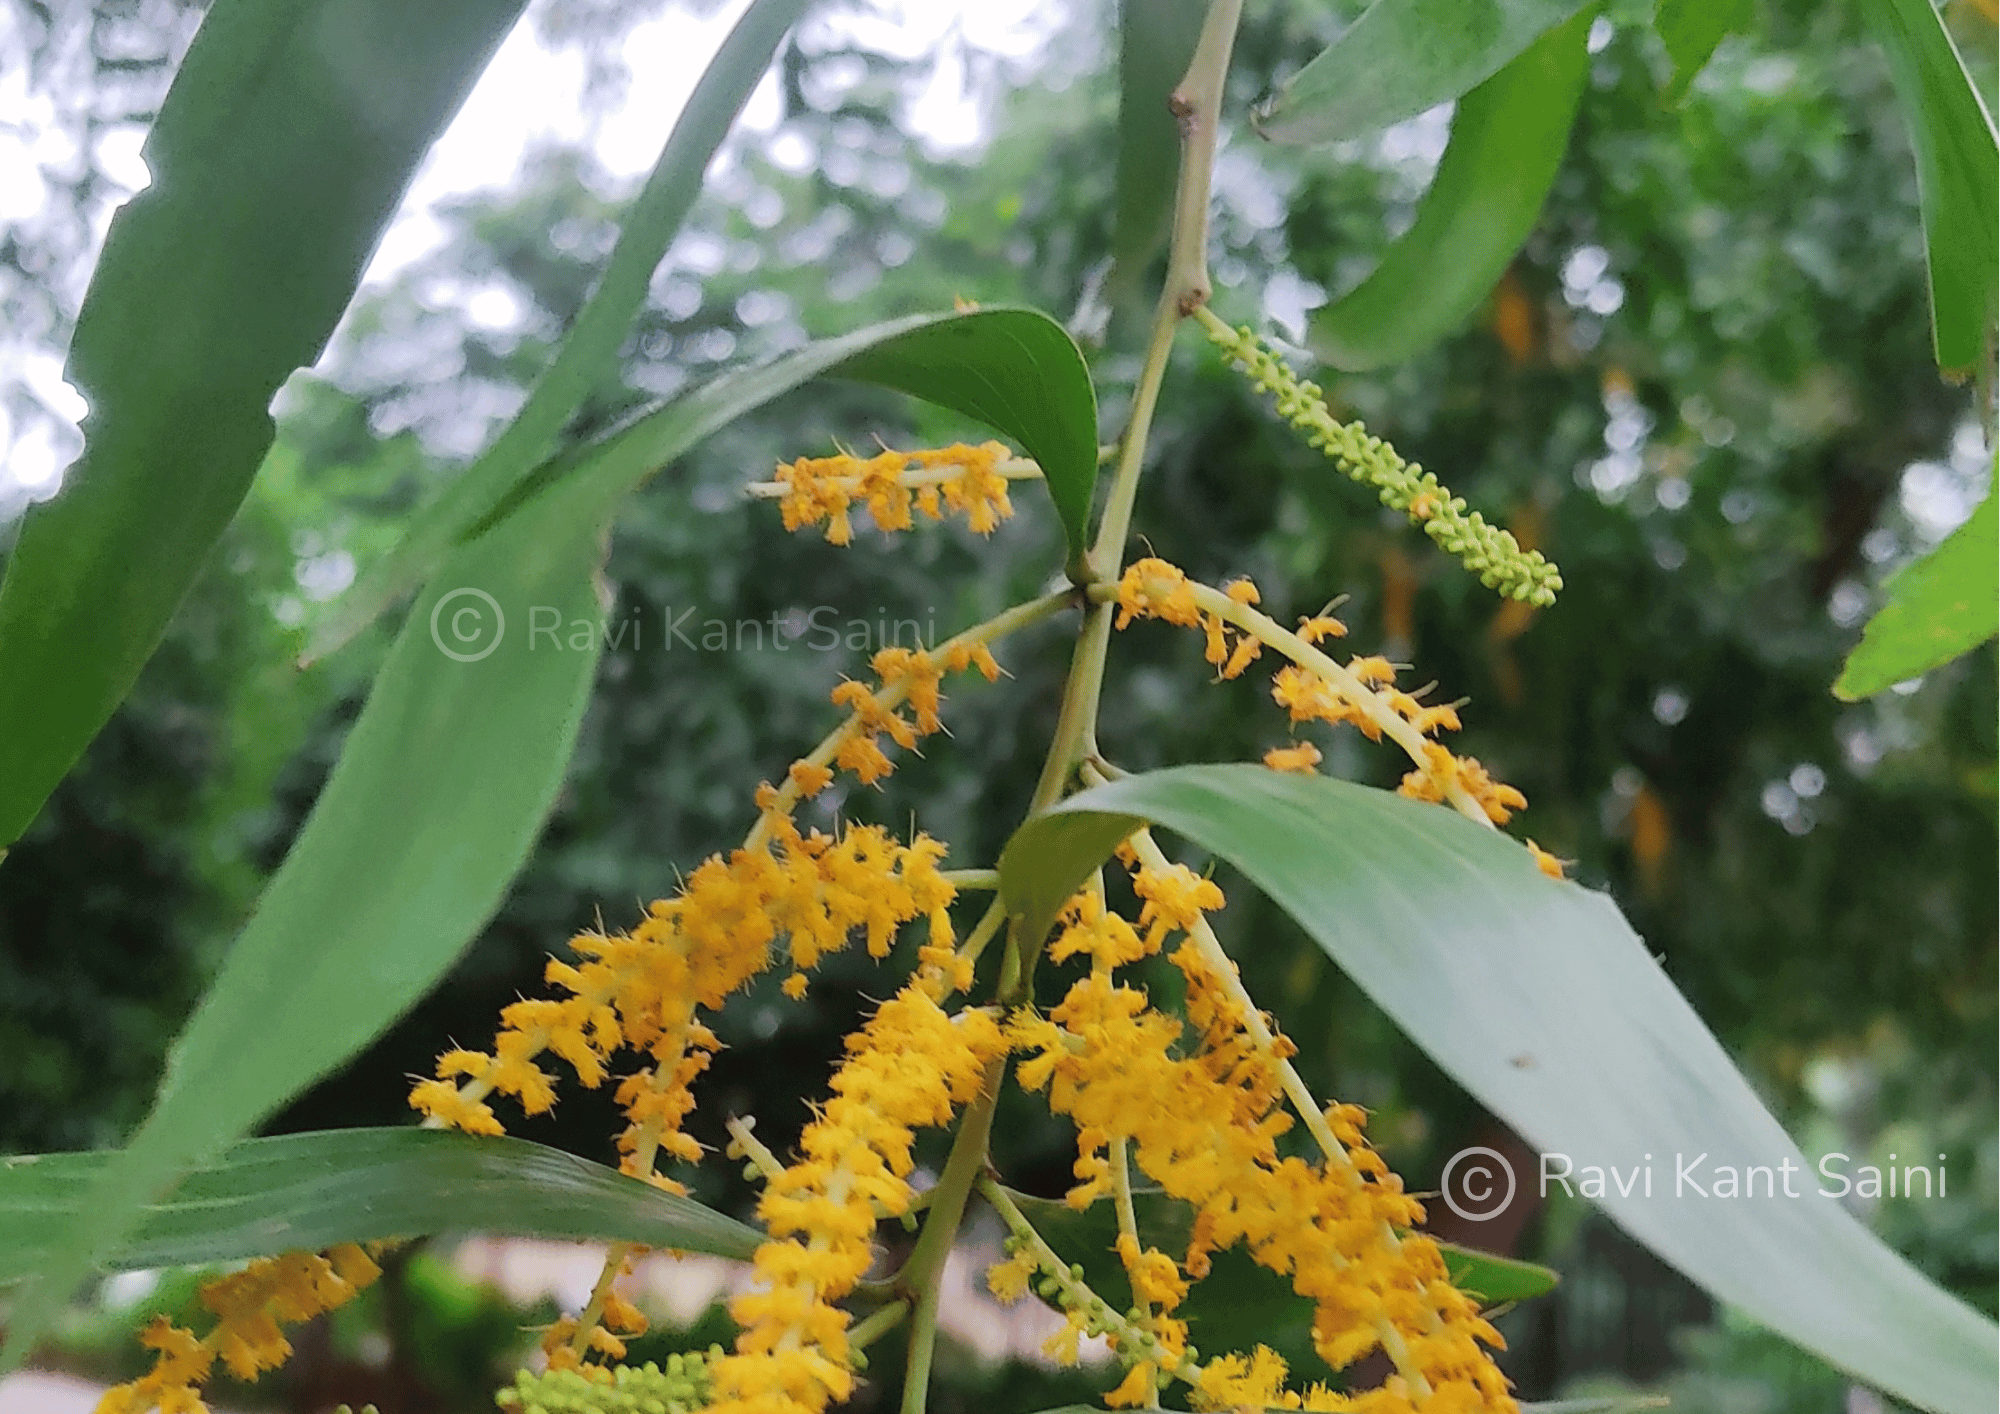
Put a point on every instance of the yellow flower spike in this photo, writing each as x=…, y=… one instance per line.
x=1545, y=861
x=1063, y=1346
x=1215, y=647
x=1152, y=588
x=446, y=1106
x=861, y=757
x=852, y=746
x=1313, y=687
x=812, y=894
x=1175, y=899
x=1091, y=930
x=1445, y=777
x=910, y=1066
x=1156, y=1277
x=1435, y=719
x=809, y=778
x=960, y=479
x=1138, y=1387
x=1154, y=1351
x=1336, y=1229
x=251, y=1307
x=1246, y=652
x=959, y=657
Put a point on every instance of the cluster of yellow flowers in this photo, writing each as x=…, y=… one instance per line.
x=1202, y=1119
x=911, y=675
x=911, y=1066
x=250, y=1307
x=1199, y=1101
x=908, y=675
x=807, y=893
x=965, y=480
x=1312, y=687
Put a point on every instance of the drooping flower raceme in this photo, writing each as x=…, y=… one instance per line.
x=1203, y=1116
x=910, y=1067
x=802, y=894
x=251, y=1308
x=960, y=479
x=1312, y=687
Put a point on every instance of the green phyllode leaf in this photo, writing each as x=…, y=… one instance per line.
x=307, y=1192
x=1958, y=175
x=1494, y=1279
x=1507, y=141
x=1691, y=29
x=589, y=353
x=281, y=150
x=1539, y=999
x=1945, y=604
x=1400, y=58
x=436, y=799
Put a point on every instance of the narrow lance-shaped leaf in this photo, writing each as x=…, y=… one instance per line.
x=308, y=1192
x=1507, y=141
x=1958, y=175
x=283, y=146
x=589, y=354
x=435, y=801
x=1539, y=999
x=1401, y=57
x=1945, y=604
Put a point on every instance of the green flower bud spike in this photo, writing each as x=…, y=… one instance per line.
x=1488, y=551
x=682, y=1388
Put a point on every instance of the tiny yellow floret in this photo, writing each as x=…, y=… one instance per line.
x=1302, y=759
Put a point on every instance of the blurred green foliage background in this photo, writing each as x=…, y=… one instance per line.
x=1705, y=388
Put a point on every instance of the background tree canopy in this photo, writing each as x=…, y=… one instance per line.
x=1705, y=387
